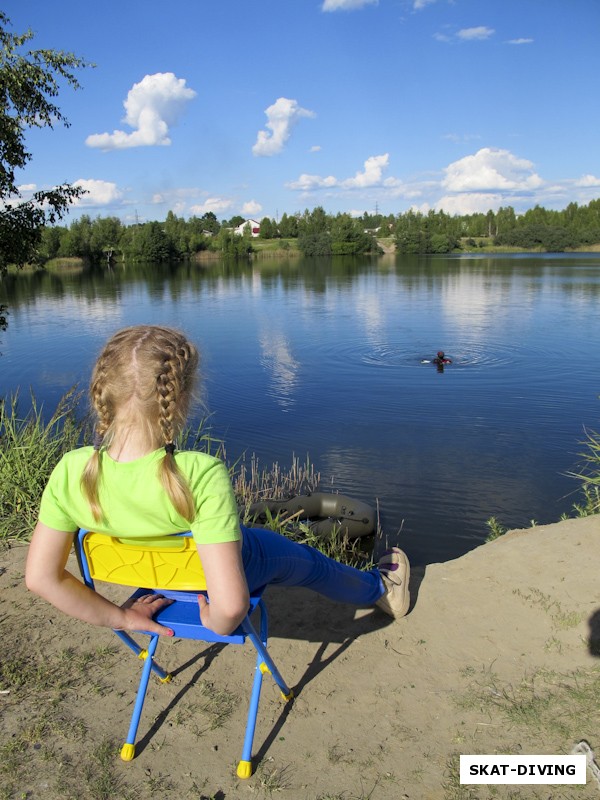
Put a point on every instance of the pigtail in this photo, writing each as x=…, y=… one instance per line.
x=173, y=389
x=90, y=477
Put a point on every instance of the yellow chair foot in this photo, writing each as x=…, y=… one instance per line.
x=167, y=679
x=128, y=752
x=289, y=696
x=244, y=769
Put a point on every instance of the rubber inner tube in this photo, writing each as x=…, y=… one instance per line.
x=323, y=511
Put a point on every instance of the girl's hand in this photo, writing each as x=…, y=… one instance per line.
x=139, y=613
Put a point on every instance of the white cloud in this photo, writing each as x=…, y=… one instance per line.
x=520, y=41
x=307, y=182
x=26, y=188
x=215, y=204
x=251, y=208
x=480, y=33
x=419, y=4
x=315, y=148
x=346, y=5
x=281, y=117
x=491, y=169
x=372, y=175
x=587, y=181
x=99, y=193
x=470, y=203
x=152, y=106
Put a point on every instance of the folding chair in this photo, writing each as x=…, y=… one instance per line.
x=170, y=566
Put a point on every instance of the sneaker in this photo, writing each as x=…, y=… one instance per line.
x=395, y=571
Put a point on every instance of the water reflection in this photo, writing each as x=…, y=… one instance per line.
x=324, y=357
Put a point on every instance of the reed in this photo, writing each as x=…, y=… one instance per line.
x=589, y=476
x=29, y=449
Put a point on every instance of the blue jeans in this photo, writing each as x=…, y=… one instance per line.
x=270, y=558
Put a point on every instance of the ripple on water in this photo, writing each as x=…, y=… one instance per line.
x=464, y=354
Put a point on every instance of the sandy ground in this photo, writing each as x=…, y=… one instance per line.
x=497, y=655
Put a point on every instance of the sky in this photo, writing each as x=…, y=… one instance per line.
x=260, y=108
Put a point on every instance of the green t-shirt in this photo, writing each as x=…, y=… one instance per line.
x=134, y=503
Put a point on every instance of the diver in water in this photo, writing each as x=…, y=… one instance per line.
x=441, y=359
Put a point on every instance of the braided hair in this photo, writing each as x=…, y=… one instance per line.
x=144, y=377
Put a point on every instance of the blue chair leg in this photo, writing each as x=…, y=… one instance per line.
x=265, y=658
x=128, y=749
x=142, y=653
x=264, y=663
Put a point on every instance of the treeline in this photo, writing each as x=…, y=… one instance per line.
x=537, y=228
x=107, y=238
x=321, y=234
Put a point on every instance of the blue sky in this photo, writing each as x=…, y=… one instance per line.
x=259, y=108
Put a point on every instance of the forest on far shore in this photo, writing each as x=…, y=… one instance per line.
x=316, y=233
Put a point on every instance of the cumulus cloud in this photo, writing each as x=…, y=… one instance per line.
x=470, y=203
x=281, y=118
x=371, y=175
x=587, y=181
x=251, y=208
x=491, y=169
x=152, y=106
x=215, y=204
x=520, y=41
x=98, y=193
x=480, y=33
x=346, y=5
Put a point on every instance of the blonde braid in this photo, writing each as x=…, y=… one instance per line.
x=90, y=477
x=173, y=386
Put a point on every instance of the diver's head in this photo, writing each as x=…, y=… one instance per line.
x=440, y=353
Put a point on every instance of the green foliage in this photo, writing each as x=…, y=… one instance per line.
x=268, y=228
x=288, y=227
x=553, y=238
x=495, y=528
x=323, y=235
x=232, y=245
x=29, y=79
x=29, y=450
x=589, y=476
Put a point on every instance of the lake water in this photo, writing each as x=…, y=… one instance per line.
x=324, y=357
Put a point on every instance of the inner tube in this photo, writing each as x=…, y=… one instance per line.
x=323, y=511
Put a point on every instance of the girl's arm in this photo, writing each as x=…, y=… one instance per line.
x=226, y=587
x=46, y=576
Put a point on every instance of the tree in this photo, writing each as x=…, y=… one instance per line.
x=28, y=81
x=268, y=229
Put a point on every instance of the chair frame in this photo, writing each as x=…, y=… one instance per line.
x=182, y=616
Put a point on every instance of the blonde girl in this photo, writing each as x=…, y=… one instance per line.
x=134, y=483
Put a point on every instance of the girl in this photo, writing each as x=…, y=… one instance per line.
x=133, y=483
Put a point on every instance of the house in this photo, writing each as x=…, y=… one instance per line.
x=254, y=228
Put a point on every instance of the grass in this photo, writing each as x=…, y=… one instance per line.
x=546, y=712
x=37, y=683
x=29, y=450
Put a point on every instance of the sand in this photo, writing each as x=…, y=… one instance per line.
x=498, y=654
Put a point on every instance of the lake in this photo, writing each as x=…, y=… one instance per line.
x=324, y=357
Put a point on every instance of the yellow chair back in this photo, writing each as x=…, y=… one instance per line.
x=171, y=562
